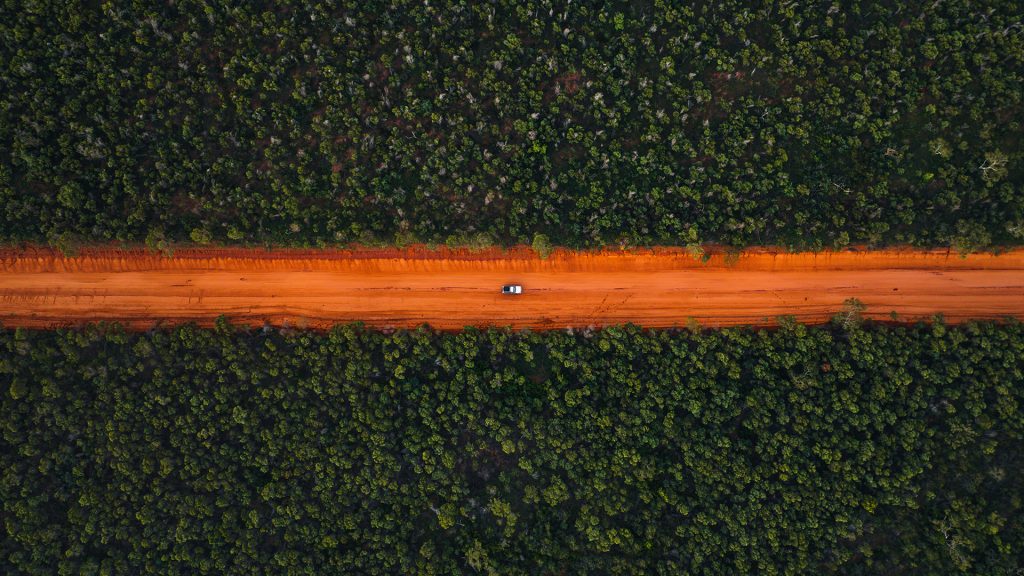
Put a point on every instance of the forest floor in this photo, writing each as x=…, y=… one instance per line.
x=450, y=289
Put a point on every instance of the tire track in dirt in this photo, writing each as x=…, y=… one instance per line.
x=450, y=289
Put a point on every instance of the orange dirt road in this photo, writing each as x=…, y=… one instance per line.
x=452, y=289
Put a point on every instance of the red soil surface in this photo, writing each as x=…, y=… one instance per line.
x=450, y=289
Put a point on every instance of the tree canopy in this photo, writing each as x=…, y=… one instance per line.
x=858, y=450
x=809, y=124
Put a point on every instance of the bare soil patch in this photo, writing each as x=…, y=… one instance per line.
x=451, y=289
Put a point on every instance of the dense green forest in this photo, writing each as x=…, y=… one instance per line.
x=811, y=124
x=844, y=449
x=859, y=450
